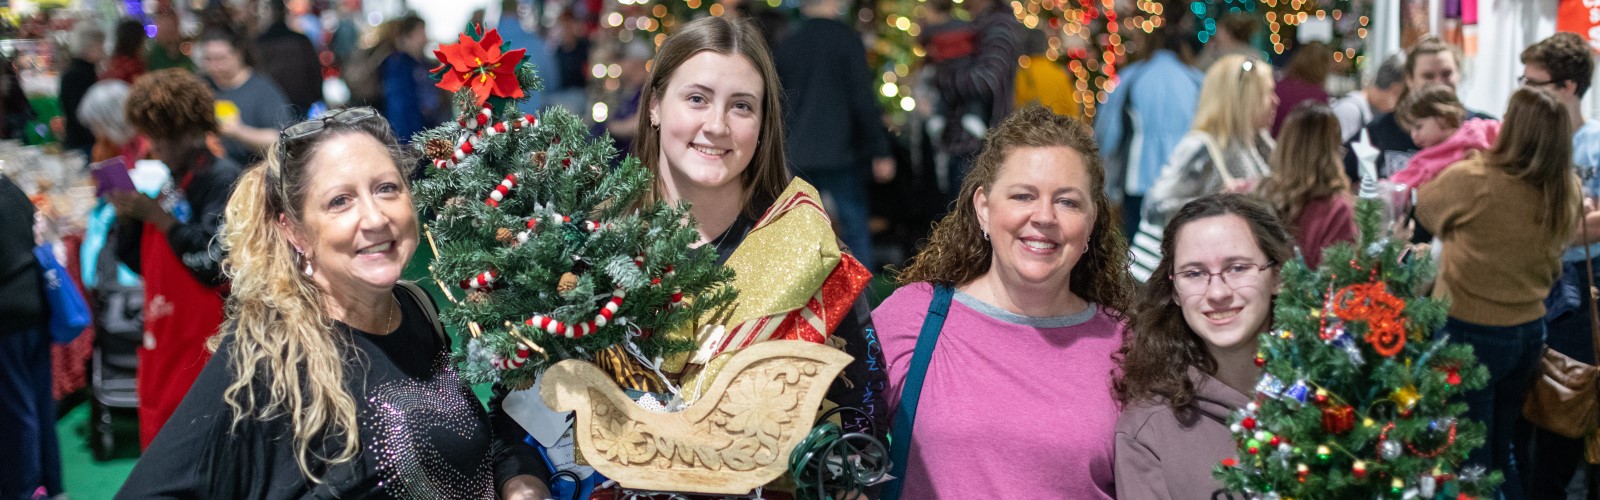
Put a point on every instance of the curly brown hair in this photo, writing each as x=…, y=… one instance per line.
x=956, y=253
x=1160, y=347
x=1566, y=57
x=171, y=104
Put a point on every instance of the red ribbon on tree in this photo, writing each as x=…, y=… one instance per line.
x=1371, y=303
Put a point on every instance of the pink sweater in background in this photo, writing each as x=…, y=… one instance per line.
x=1476, y=134
x=1012, y=406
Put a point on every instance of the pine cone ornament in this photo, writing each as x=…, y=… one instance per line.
x=538, y=158
x=478, y=297
x=568, y=282
x=505, y=236
x=438, y=149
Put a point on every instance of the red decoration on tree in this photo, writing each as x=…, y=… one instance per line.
x=1381, y=311
x=1359, y=469
x=502, y=190
x=1452, y=375
x=481, y=66
x=1338, y=418
x=1229, y=462
x=1248, y=423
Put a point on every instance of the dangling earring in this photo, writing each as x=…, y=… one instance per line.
x=985, y=234
x=302, y=257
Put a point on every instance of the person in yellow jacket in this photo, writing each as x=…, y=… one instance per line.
x=1043, y=81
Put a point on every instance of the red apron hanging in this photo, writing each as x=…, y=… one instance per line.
x=180, y=313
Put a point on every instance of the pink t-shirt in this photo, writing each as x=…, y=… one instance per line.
x=1012, y=406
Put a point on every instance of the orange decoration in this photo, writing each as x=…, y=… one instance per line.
x=1372, y=304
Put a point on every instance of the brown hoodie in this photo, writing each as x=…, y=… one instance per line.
x=1166, y=453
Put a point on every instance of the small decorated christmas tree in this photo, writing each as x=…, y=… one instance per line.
x=555, y=252
x=1358, y=398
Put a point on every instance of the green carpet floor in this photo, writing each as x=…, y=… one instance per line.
x=86, y=478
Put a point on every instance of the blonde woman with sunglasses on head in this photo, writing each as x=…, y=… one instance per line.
x=331, y=378
x=1226, y=150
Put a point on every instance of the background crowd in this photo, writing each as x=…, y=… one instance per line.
x=1200, y=149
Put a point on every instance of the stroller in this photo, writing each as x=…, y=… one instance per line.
x=119, y=331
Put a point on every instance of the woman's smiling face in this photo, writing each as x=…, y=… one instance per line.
x=709, y=114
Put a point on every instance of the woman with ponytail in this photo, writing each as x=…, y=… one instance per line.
x=331, y=377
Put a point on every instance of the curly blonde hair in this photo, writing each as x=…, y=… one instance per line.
x=956, y=253
x=288, y=361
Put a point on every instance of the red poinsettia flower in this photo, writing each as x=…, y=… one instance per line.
x=481, y=66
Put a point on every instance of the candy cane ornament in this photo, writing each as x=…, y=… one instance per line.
x=517, y=361
x=601, y=319
x=500, y=192
x=478, y=128
x=482, y=281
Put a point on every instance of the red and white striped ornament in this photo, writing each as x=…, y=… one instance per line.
x=516, y=361
x=601, y=319
x=482, y=281
x=500, y=192
x=480, y=128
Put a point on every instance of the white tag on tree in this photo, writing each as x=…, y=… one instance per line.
x=528, y=409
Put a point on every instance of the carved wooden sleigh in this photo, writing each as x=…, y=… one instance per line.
x=734, y=439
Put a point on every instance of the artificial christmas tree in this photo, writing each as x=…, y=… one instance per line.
x=1358, y=396
x=557, y=256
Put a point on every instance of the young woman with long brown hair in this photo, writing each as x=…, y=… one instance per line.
x=1504, y=217
x=1187, y=364
x=1308, y=187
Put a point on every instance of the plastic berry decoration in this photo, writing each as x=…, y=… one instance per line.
x=1248, y=423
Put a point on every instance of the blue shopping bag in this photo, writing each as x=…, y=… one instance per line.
x=69, y=312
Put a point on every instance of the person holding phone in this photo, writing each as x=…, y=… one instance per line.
x=171, y=240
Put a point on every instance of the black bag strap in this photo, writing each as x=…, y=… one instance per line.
x=906, y=415
x=428, y=309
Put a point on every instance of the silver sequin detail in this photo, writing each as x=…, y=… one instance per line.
x=401, y=413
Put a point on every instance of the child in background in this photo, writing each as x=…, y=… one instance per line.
x=945, y=38
x=1437, y=123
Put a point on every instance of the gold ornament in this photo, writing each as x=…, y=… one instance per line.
x=1405, y=397
x=505, y=236
x=568, y=282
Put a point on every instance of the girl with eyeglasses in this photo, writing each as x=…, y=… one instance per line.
x=331, y=377
x=1226, y=149
x=1188, y=360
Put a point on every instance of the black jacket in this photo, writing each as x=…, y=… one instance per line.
x=291, y=61
x=831, y=119
x=20, y=284
x=75, y=83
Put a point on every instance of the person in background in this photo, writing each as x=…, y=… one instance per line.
x=1043, y=81
x=346, y=37
x=1358, y=108
x=1303, y=79
x=623, y=121
x=571, y=49
x=331, y=377
x=949, y=41
x=88, y=48
x=172, y=241
x=1439, y=125
x=251, y=108
x=1307, y=186
x=15, y=111
x=103, y=113
x=166, y=49
x=1225, y=150
x=409, y=98
x=1430, y=60
x=1186, y=364
x=1564, y=65
x=834, y=133
x=517, y=26
x=127, y=53
x=30, y=467
x=290, y=59
x=1027, y=275
x=985, y=88
x=1146, y=116
x=1504, y=217
x=1233, y=35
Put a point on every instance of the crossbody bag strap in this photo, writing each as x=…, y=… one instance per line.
x=1594, y=311
x=428, y=309
x=1215, y=151
x=905, y=415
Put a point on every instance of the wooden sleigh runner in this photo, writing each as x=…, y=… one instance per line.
x=734, y=439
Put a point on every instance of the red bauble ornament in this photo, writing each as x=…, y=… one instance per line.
x=1253, y=450
x=1248, y=423
x=1260, y=361
x=1452, y=376
x=1359, y=470
x=1275, y=441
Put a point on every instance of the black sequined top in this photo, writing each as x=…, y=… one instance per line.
x=423, y=433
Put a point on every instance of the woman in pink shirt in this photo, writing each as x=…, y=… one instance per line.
x=1189, y=359
x=999, y=345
